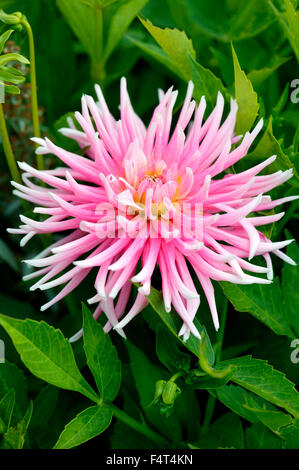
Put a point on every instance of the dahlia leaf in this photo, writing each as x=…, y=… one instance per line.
x=11, y=377
x=205, y=82
x=7, y=404
x=47, y=354
x=258, y=77
x=289, y=20
x=176, y=45
x=218, y=437
x=146, y=374
x=259, y=377
x=246, y=98
x=44, y=406
x=258, y=436
x=86, y=23
x=86, y=425
x=98, y=3
x=14, y=438
x=101, y=357
x=169, y=353
x=172, y=322
x=290, y=282
x=153, y=51
x=121, y=18
x=263, y=302
x=273, y=419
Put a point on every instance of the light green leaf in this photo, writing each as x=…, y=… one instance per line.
x=86, y=425
x=263, y=301
x=262, y=379
x=205, y=83
x=47, y=354
x=7, y=404
x=86, y=23
x=101, y=357
x=120, y=21
x=4, y=37
x=4, y=59
x=7, y=255
x=245, y=97
x=14, y=438
x=176, y=45
x=98, y=3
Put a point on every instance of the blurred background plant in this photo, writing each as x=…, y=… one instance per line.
x=248, y=49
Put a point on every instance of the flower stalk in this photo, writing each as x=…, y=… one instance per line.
x=34, y=101
x=10, y=158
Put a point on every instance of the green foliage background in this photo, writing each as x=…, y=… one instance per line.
x=233, y=389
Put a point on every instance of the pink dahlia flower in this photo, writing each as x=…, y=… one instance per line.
x=151, y=195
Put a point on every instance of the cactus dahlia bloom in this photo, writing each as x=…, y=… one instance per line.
x=154, y=196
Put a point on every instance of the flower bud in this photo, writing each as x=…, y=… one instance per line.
x=170, y=393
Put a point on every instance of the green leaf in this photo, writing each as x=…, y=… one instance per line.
x=258, y=436
x=4, y=37
x=168, y=351
x=121, y=18
x=245, y=97
x=175, y=44
x=47, y=354
x=7, y=256
x=9, y=74
x=7, y=404
x=86, y=23
x=289, y=285
x=14, y=438
x=263, y=302
x=86, y=425
x=171, y=320
x=262, y=379
x=11, y=377
x=146, y=374
x=44, y=406
x=4, y=59
x=205, y=83
x=101, y=357
x=153, y=51
x=258, y=77
x=268, y=145
x=289, y=21
x=226, y=431
x=98, y=3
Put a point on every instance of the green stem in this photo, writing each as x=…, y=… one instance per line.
x=8, y=149
x=176, y=376
x=139, y=427
x=212, y=400
x=34, y=102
